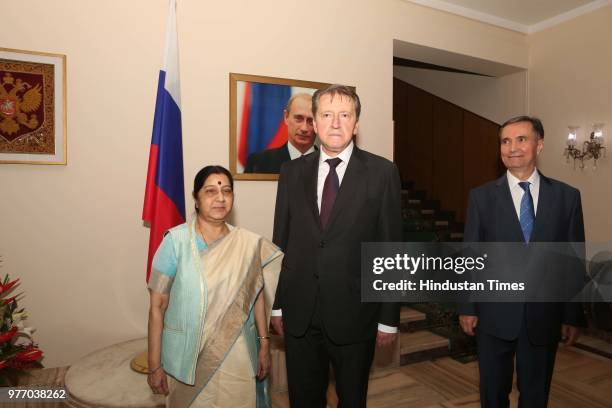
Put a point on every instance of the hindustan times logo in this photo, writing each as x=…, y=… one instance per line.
x=413, y=264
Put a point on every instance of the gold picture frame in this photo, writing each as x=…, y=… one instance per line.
x=33, y=118
x=238, y=81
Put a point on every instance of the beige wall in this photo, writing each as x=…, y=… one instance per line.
x=73, y=234
x=496, y=99
x=570, y=84
x=448, y=32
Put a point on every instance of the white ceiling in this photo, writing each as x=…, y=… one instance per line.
x=520, y=15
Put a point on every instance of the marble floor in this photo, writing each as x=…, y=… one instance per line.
x=581, y=380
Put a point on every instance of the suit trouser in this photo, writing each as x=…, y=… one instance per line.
x=534, y=370
x=308, y=359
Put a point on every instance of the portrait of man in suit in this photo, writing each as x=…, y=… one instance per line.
x=522, y=205
x=300, y=138
x=327, y=204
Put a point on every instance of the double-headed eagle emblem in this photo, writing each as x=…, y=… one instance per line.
x=18, y=104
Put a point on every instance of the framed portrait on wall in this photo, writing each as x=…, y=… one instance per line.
x=258, y=129
x=32, y=107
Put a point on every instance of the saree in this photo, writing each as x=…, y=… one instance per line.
x=233, y=272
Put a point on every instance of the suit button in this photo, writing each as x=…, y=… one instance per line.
x=322, y=244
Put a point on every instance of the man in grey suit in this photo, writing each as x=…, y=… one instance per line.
x=521, y=206
x=327, y=204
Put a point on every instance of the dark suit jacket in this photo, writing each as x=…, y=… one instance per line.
x=327, y=263
x=267, y=161
x=492, y=217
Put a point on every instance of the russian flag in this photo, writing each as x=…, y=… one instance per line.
x=262, y=124
x=164, y=201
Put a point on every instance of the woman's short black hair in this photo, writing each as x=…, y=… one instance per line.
x=200, y=178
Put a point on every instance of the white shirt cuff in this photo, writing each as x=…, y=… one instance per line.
x=277, y=312
x=385, y=329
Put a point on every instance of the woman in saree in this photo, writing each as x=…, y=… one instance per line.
x=211, y=290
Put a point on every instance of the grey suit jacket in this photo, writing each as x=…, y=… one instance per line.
x=326, y=263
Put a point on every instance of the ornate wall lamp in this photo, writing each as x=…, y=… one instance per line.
x=591, y=149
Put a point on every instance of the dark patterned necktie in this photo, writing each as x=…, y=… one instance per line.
x=330, y=190
x=527, y=216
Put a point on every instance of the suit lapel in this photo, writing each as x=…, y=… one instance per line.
x=510, y=225
x=354, y=177
x=545, y=198
x=310, y=174
x=284, y=154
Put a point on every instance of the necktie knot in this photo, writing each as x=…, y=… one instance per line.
x=525, y=185
x=333, y=163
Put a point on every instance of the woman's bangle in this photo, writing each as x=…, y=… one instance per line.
x=263, y=337
x=153, y=371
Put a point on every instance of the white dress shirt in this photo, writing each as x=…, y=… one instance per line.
x=294, y=153
x=345, y=156
x=517, y=191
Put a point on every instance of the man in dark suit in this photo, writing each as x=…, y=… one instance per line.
x=300, y=138
x=521, y=206
x=327, y=204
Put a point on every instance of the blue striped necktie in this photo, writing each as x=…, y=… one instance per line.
x=527, y=217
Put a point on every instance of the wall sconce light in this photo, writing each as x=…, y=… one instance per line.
x=591, y=149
